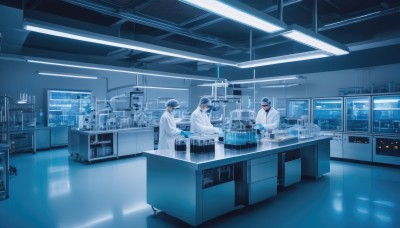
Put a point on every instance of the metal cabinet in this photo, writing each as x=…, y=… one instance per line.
x=262, y=177
x=58, y=136
x=91, y=146
x=135, y=141
x=315, y=159
x=336, y=144
x=217, y=186
x=357, y=147
x=386, y=149
x=42, y=138
x=4, y=185
x=289, y=171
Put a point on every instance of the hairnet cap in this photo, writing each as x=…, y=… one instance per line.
x=172, y=103
x=204, y=100
x=265, y=101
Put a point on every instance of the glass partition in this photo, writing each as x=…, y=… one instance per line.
x=357, y=114
x=298, y=108
x=386, y=114
x=327, y=114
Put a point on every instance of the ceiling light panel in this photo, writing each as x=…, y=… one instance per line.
x=271, y=79
x=315, y=40
x=239, y=12
x=281, y=86
x=75, y=34
x=131, y=71
x=155, y=87
x=284, y=59
x=66, y=75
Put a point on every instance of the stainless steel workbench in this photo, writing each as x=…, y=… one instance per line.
x=97, y=145
x=178, y=182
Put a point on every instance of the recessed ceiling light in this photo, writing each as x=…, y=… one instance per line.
x=66, y=75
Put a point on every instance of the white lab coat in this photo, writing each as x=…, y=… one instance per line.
x=270, y=121
x=200, y=123
x=168, y=132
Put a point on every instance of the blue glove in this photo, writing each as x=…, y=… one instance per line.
x=186, y=134
x=220, y=131
x=261, y=127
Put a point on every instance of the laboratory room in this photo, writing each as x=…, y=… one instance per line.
x=199, y=113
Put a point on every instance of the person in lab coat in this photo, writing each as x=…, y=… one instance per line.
x=268, y=117
x=168, y=129
x=200, y=122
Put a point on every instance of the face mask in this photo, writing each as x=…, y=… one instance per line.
x=204, y=109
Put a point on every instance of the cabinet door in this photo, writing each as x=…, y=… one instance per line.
x=59, y=136
x=42, y=138
x=145, y=140
x=127, y=142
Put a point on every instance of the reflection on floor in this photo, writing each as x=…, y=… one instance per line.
x=52, y=190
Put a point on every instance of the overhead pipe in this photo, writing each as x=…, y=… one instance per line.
x=361, y=18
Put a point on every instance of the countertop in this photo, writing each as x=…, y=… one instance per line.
x=223, y=156
x=111, y=130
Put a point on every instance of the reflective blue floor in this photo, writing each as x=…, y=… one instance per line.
x=52, y=190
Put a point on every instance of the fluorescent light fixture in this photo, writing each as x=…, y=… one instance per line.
x=271, y=79
x=75, y=34
x=239, y=12
x=219, y=84
x=386, y=101
x=66, y=75
x=22, y=102
x=155, y=87
x=284, y=59
x=280, y=86
x=133, y=71
x=315, y=40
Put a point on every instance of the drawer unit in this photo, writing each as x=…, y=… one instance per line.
x=261, y=179
x=357, y=147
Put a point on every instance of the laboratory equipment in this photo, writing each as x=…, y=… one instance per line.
x=328, y=113
x=240, y=133
x=305, y=131
x=202, y=144
x=386, y=149
x=180, y=144
x=357, y=147
x=386, y=114
x=64, y=107
x=357, y=114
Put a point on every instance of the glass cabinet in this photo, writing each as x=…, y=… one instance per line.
x=298, y=108
x=357, y=114
x=386, y=114
x=328, y=113
x=64, y=108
